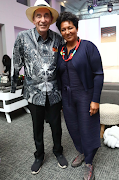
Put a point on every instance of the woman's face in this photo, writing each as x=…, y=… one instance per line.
x=68, y=31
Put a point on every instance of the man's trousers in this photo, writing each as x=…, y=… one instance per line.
x=53, y=114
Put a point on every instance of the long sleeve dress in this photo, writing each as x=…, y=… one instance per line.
x=81, y=81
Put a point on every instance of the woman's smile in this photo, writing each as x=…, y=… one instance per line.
x=69, y=31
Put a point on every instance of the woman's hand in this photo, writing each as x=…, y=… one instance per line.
x=94, y=107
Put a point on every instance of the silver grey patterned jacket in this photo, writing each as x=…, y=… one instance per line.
x=39, y=59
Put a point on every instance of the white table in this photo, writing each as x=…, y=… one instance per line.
x=12, y=101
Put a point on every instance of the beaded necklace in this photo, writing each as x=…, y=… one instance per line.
x=62, y=52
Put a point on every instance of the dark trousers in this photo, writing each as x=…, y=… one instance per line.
x=53, y=114
x=83, y=128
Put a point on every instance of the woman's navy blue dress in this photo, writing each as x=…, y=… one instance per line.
x=83, y=128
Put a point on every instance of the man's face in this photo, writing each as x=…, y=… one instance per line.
x=42, y=20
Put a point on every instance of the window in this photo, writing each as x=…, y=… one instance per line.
x=48, y=1
x=62, y=8
x=23, y=2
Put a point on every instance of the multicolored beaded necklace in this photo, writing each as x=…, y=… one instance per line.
x=62, y=52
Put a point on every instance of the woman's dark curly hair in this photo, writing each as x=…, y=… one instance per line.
x=67, y=16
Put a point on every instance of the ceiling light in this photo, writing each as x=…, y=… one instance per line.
x=64, y=1
x=90, y=9
x=110, y=7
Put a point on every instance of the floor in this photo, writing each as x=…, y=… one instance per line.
x=17, y=147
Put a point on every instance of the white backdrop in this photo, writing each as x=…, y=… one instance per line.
x=90, y=29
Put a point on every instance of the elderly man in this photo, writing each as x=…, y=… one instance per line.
x=36, y=49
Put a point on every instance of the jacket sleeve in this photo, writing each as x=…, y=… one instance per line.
x=97, y=70
x=17, y=61
x=57, y=69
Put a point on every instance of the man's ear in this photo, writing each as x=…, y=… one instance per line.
x=51, y=19
x=33, y=18
x=33, y=21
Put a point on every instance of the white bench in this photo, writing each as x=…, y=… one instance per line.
x=12, y=101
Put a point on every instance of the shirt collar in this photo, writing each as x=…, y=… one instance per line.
x=50, y=34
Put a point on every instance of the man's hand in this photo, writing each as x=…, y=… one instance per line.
x=94, y=107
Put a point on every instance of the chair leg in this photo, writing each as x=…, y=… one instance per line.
x=27, y=110
x=8, y=117
x=102, y=128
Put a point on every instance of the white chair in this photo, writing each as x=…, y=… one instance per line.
x=12, y=101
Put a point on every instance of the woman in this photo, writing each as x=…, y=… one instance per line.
x=80, y=76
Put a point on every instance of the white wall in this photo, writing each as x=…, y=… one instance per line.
x=12, y=14
x=90, y=29
x=1, y=52
x=55, y=5
x=17, y=30
x=13, y=18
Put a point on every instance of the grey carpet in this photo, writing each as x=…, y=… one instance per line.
x=17, y=147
